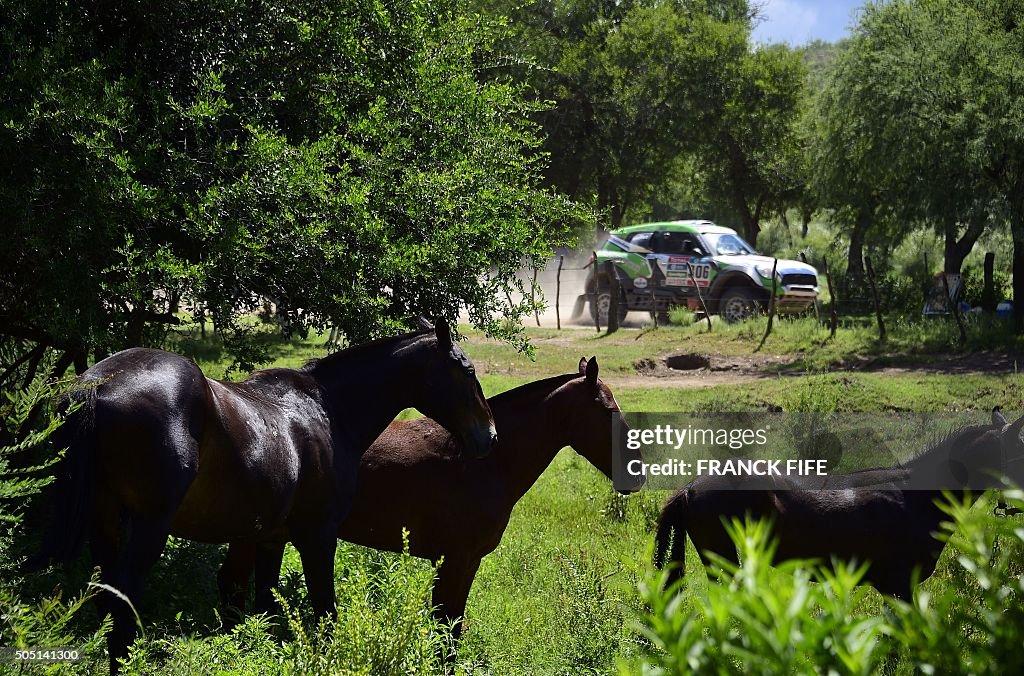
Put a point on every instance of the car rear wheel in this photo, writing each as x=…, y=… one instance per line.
x=599, y=307
x=738, y=304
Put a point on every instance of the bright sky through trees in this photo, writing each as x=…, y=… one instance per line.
x=800, y=21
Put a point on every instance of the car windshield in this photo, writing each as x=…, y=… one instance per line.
x=727, y=244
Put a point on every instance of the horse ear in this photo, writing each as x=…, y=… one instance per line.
x=423, y=324
x=592, y=371
x=1013, y=431
x=583, y=364
x=998, y=418
x=444, y=334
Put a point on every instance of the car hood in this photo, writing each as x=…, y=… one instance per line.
x=785, y=267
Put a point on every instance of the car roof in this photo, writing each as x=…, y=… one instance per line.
x=675, y=226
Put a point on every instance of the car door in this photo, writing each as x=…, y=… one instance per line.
x=672, y=252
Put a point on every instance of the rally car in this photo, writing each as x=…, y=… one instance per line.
x=654, y=261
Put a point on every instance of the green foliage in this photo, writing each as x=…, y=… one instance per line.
x=346, y=161
x=26, y=425
x=593, y=615
x=384, y=626
x=681, y=316
x=915, y=124
x=800, y=617
x=660, y=105
x=977, y=628
x=753, y=619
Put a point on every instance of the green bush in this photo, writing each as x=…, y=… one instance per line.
x=26, y=424
x=681, y=316
x=800, y=617
x=384, y=626
x=759, y=620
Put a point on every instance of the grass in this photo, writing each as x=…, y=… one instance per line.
x=558, y=594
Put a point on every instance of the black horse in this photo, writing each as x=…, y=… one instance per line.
x=887, y=517
x=158, y=449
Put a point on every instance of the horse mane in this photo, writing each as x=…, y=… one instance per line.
x=531, y=388
x=941, y=443
x=362, y=349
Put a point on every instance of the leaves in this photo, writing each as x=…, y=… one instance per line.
x=343, y=161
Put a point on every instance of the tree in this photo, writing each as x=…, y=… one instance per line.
x=748, y=147
x=635, y=85
x=922, y=120
x=346, y=160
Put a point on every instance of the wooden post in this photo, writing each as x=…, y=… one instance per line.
x=700, y=296
x=955, y=309
x=834, y=303
x=613, y=304
x=558, y=291
x=874, y=299
x=199, y=316
x=533, y=298
x=817, y=316
x=988, y=294
x=771, y=306
x=593, y=299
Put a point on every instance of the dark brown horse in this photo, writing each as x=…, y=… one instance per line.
x=158, y=449
x=887, y=517
x=413, y=477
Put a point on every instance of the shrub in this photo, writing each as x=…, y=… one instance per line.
x=384, y=626
x=759, y=620
x=28, y=423
x=806, y=618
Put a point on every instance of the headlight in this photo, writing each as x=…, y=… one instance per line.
x=765, y=271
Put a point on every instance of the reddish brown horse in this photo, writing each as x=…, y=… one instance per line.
x=887, y=517
x=158, y=449
x=413, y=477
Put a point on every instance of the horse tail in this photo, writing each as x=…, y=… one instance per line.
x=671, y=537
x=75, y=487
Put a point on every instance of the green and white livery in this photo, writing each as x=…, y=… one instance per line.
x=661, y=265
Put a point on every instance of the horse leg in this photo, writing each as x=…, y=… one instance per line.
x=451, y=591
x=898, y=584
x=104, y=540
x=267, y=557
x=233, y=581
x=146, y=541
x=316, y=549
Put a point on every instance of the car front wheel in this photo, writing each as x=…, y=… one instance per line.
x=738, y=304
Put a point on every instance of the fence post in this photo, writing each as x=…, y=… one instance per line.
x=954, y=307
x=771, y=305
x=613, y=302
x=593, y=298
x=988, y=294
x=700, y=296
x=834, y=304
x=817, y=316
x=558, y=291
x=874, y=298
x=533, y=298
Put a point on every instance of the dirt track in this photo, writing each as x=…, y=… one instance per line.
x=737, y=370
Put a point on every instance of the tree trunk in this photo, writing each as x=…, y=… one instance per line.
x=855, y=264
x=805, y=220
x=1018, y=272
x=956, y=250
x=749, y=220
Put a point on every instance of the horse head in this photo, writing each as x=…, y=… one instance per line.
x=453, y=396
x=1012, y=447
x=598, y=428
x=984, y=456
